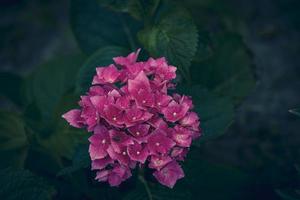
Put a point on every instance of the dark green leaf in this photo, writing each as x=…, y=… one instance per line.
x=229, y=71
x=64, y=137
x=213, y=181
x=80, y=160
x=216, y=113
x=50, y=81
x=22, y=184
x=159, y=192
x=10, y=87
x=95, y=26
x=116, y=5
x=13, y=140
x=142, y=9
x=102, y=57
x=173, y=36
x=204, y=50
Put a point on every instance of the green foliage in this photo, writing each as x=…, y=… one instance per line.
x=116, y=5
x=13, y=140
x=216, y=181
x=50, y=81
x=158, y=192
x=169, y=37
x=10, y=87
x=202, y=179
x=142, y=9
x=216, y=113
x=63, y=137
x=102, y=57
x=229, y=70
x=80, y=160
x=22, y=184
x=95, y=26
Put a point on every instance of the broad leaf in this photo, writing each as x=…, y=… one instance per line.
x=64, y=137
x=22, y=184
x=143, y=9
x=13, y=140
x=10, y=87
x=174, y=36
x=213, y=181
x=50, y=81
x=96, y=26
x=216, y=113
x=116, y=5
x=102, y=57
x=159, y=192
x=80, y=160
x=229, y=71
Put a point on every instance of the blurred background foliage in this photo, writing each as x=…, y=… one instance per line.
x=238, y=59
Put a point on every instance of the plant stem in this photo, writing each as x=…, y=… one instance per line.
x=142, y=179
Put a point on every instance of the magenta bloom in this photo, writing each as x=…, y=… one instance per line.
x=106, y=75
x=158, y=142
x=169, y=174
x=138, y=152
x=135, y=121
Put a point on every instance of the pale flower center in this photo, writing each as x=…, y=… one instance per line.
x=133, y=118
x=144, y=101
x=138, y=153
x=103, y=141
x=114, y=118
x=138, y=133
x=157, y=144
x=174, y=114
x=124, y=153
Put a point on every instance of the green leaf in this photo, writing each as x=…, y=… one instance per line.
x=213, y=181
x=174, y=36
x=61, y=143
x=295, y=112
x=22, y=184
x=159, y=192
x=95, y=26
x=116, y=5
x=142, y=9
x=216, y=112
x=80, y=160
x=229, y=71
x=102, y=57
x=10, y=87
x=13, y=140
x=51, y=81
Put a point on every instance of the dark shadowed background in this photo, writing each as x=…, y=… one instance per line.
x=257, y=157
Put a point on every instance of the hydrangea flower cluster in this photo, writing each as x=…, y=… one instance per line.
x=135, y=121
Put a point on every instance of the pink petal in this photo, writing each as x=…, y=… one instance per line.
x=73, y=117
x=169, y=175
x=130, y=59
x=137, y=152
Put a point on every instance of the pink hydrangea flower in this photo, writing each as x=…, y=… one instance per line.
x=135, y=121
